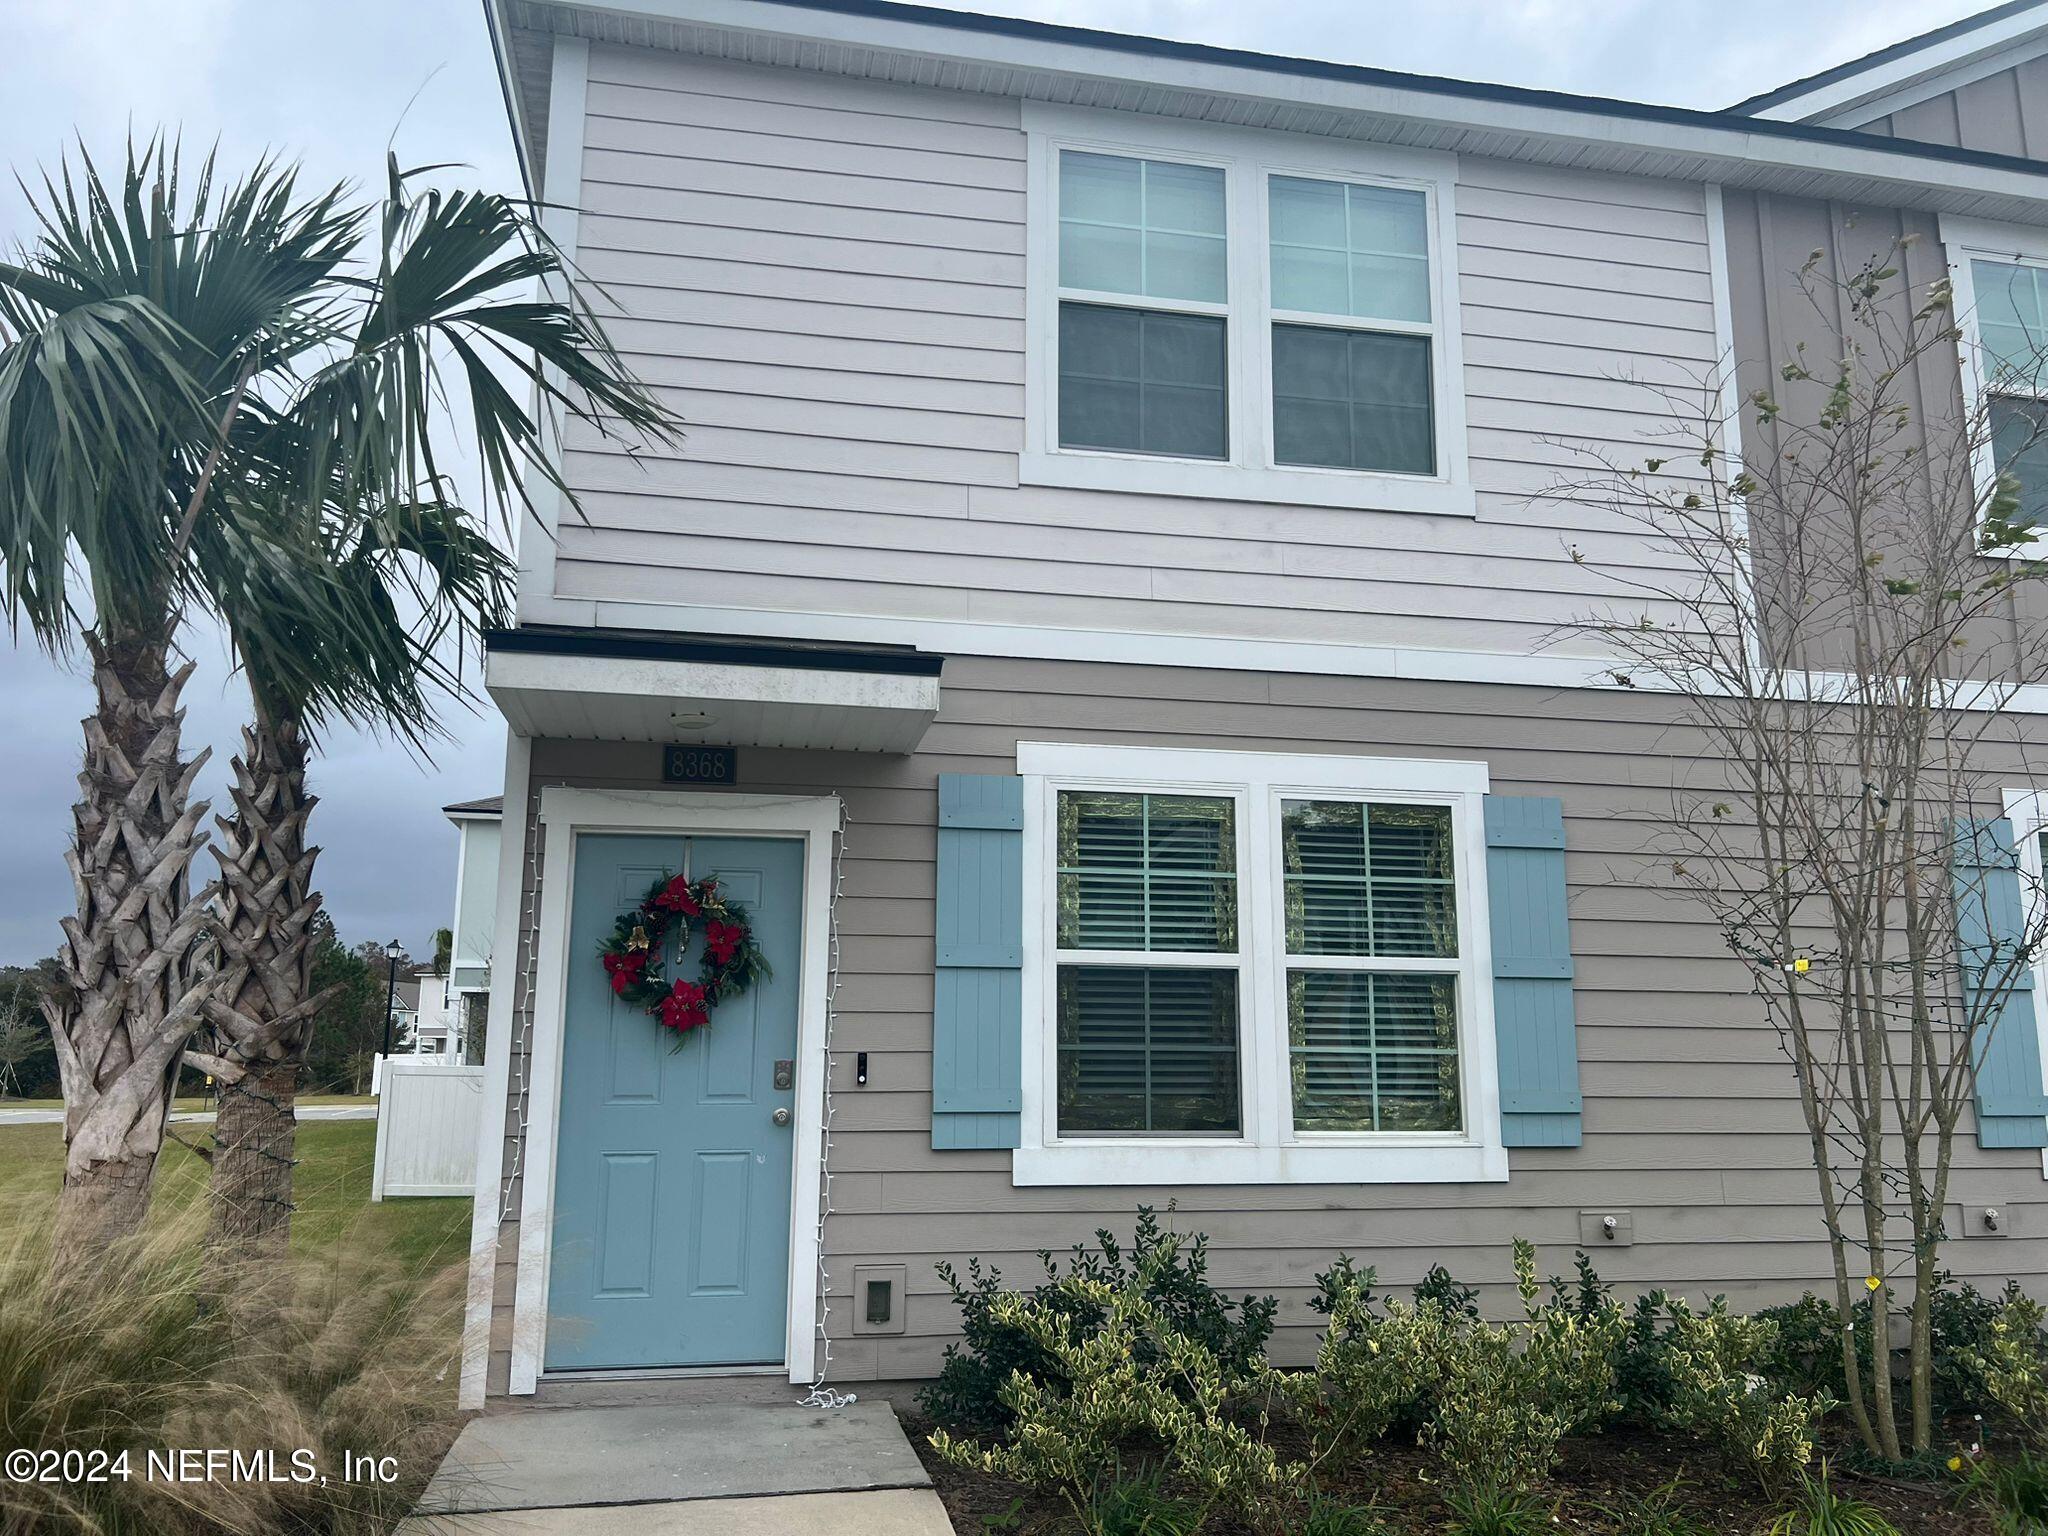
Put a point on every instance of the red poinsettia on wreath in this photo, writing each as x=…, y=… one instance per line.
x=635, y=956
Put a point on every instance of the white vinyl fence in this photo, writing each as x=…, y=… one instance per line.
x=426, y=1128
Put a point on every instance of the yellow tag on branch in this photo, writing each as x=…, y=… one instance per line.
x=1872, y=1283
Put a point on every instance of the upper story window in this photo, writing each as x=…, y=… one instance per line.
x=1220, y=312
x=1143, y=296
x=2012, y=339
x=2000, y=278
x=1256, y=966
x=1351, y=326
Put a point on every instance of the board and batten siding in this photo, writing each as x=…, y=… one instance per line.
x=1690, y=1120
x=2003, y=113
x=826, y=279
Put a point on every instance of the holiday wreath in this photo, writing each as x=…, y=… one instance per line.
x=635, y=955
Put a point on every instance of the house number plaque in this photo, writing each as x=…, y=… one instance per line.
x=688, y=763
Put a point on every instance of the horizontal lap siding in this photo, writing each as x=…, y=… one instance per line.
x=1690, y=1120
x=825, y=279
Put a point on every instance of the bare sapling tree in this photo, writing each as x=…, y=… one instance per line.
x=22, y=1032
x=1840, y=620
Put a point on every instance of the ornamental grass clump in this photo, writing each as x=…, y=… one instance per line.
x=1818, y=1510
x=1121, y=1376
x=354, y=1357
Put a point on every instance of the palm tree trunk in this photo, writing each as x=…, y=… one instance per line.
x=129, y=994
x=262, y=1017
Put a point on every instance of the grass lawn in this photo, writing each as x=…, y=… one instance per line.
x=331, y=1188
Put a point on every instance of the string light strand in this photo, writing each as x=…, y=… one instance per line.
x=822, y=1395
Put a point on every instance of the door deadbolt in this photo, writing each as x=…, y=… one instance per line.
x=785, y=1075
x=781, y=1117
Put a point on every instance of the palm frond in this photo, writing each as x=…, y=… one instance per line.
x=232, y=393
x=444, y=260
x=123, y=330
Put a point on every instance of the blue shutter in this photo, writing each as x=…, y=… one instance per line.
x=1532, y=972
x=978, y=1002
x=1990, y=927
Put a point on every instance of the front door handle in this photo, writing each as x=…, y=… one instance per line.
x=781, y=1117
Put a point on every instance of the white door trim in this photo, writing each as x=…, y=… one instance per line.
x=565, y=816
x=486, y=1213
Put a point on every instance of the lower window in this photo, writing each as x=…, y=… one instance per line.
x=1373, y=1053
x=1260, y=966
x=1144, y=1051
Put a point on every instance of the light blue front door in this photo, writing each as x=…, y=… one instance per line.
x=672, y=1175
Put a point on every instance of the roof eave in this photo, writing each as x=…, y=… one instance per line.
x=498, y=24
x=879, y=40
x=1837, y=96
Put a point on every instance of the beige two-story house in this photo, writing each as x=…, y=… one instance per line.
x=1107, y=622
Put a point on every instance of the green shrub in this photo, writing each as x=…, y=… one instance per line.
x=1119, y=1371
x=1717, y=1394
x=1642, y=1373
x=1484, y=1509
x=1508, y=1395
x=1818, y=1510
x=2011, y=1363
x=967, y=1394
x=1438, y=1288
x=1377, y=1368
x=1493, y=1401
x=1807, y=1356
x=1805, y=1352
x=1344, y=1282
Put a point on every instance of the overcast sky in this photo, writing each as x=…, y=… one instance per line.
x=330, y=85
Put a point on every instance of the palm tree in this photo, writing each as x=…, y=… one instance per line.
x=326, y=631
x=129, y=334
x=353, y=580
x=233, y=406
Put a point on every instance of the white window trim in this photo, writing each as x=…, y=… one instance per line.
x=1248, y=157
x=2027, y=810
x=1268, y=1152
x=1962, y=241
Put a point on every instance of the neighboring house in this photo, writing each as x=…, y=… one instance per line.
x=1113, y=477
x=476, y=909
x=424, y=1020
x=405, y=1012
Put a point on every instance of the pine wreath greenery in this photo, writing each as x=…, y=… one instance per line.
x=635, y=955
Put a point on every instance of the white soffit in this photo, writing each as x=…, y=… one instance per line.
x=612, y=698
x=926, y=48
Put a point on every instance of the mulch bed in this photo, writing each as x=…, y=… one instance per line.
x=1399, y=1483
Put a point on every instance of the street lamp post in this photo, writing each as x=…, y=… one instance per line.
x=391, y=953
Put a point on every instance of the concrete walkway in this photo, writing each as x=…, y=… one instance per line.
x=188, y=1116
x=682, y=1470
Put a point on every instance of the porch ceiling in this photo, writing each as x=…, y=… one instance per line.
x=623, y=688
